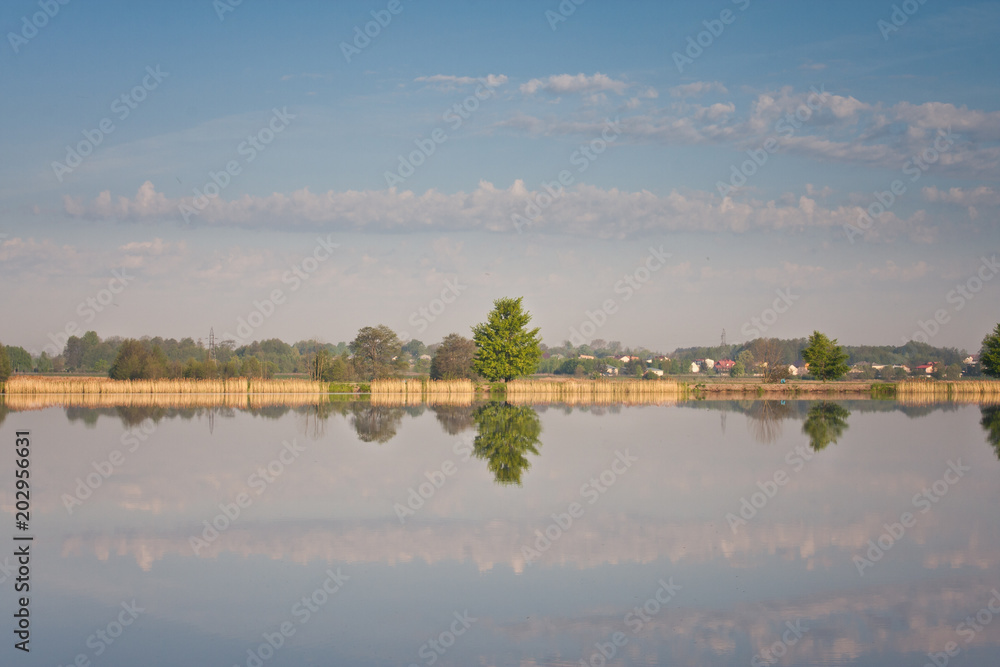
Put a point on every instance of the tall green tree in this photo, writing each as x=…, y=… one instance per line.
x=505, y=349
x=989, y=356
x=4, y=364
x=453, y=359
x=20, y=359
x=376, y=351
x=826, y=359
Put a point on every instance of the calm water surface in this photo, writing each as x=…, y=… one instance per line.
x=699, y=534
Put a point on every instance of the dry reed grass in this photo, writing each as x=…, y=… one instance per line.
x=39, y=401
x=922, y=392
x=31, y=385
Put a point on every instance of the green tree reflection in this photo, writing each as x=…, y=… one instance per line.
x=506, y=434
x=825, y=423
x=991, y=424
x=376, y=423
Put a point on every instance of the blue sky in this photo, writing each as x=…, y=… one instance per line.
x=661, y=179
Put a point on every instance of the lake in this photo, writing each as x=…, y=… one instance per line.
x=699, y=533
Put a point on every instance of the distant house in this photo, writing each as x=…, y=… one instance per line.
x=655, y=371
x=793, y=370
x=625, y=359
x=586, y=356
x=695, y=367
x=725, y=365
x=927, y=368
x=971, y=360
x=426, y=357
x=611, y=371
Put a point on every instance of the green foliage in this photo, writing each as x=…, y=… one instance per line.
x=826, y=359
x=991, y=424
x=825, y=423
x=20, y=359
x=138, y=360
x=415, y=349
x=989, y=356
x=5, y=368
x=453, y=359
x=505, y=348
x=44, y=363
x=506, y=434
x=376, y=352
x=739, y=370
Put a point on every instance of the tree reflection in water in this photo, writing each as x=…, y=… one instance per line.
x=506, y=434
x=376, y=423
x=764, y=419
x=825, y=423
x=991, y=424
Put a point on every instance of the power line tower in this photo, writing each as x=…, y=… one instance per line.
x=211, y=343
x=723, y=338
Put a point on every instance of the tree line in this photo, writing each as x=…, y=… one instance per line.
x=501, y=348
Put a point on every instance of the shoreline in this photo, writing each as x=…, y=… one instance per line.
x=412, y=391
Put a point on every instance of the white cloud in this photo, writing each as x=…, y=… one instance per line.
x=697, y=89
x=582, y=209
x=560, y=84
x=448, y=81
x=980, y=196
